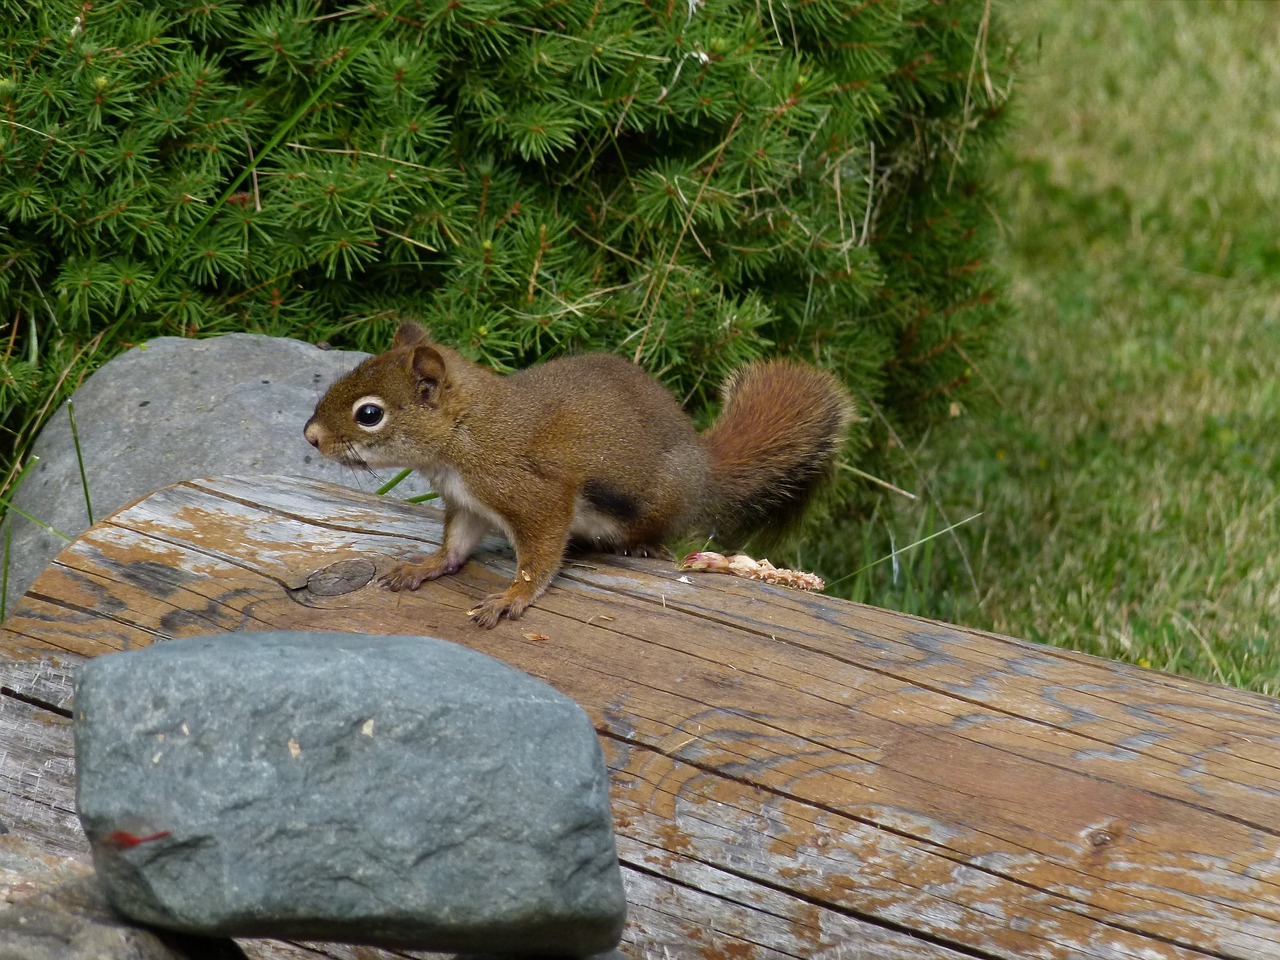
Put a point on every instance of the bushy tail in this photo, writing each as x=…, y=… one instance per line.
x=773, y=447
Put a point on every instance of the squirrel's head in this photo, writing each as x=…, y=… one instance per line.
x=389, y=410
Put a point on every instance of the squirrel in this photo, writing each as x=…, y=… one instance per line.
x=587, y=448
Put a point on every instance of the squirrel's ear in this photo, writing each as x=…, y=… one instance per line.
x=408, y=334
x=428, y=371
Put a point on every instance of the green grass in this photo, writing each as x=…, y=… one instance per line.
x=1127, y=474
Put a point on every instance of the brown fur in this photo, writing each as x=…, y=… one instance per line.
x=775, y=443
x=589, y=448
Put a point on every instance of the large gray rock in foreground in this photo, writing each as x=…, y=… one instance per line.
x=399, y=791
x=172, y=410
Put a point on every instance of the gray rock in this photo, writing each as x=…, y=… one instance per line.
x=51, y=909
x=397, y=791
x=172, y=410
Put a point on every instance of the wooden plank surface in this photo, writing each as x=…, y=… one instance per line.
x=793, y=776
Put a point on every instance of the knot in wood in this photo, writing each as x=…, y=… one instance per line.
x=345, y=576
x=1100, y=838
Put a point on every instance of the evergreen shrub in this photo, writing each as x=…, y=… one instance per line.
x=693, y=184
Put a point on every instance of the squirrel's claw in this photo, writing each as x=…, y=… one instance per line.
x=654, y=551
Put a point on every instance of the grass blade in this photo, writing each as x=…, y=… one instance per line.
x=84, y=480
x=390, y=484
x=898, y=552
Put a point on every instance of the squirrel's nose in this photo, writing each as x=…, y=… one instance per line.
x=313, y=431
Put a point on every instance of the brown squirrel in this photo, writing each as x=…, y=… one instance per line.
x=585, y=448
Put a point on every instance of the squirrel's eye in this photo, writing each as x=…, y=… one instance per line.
x=368, y=414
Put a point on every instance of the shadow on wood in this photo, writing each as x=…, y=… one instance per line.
x=793, y=776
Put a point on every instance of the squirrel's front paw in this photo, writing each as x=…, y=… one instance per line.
x=492, y=608
x=410, y=576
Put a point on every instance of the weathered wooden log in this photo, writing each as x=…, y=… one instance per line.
x=793, y=776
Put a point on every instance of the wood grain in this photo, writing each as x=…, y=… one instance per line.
x=793, y=776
